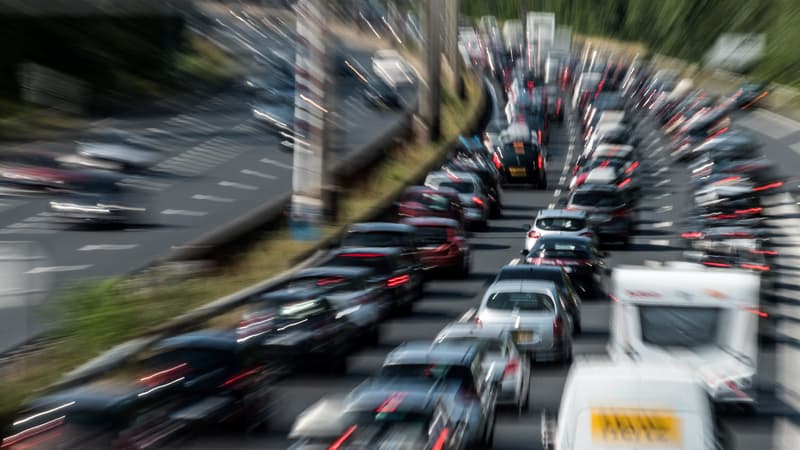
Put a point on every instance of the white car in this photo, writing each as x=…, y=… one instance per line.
x=509, y=366
x=534, y=313
x=559, y=222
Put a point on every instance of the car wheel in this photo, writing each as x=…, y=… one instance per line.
x=373, y=336
x=566, y=356
x=488, y=440
x=525, y=402
x=338, y=364
x=576, y=330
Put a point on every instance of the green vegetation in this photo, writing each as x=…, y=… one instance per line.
x=95, y=316
x=683, y=29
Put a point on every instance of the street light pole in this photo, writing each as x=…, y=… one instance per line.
x=451, y=46
x=430, y=88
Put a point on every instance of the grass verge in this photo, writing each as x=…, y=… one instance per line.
x=95, y=316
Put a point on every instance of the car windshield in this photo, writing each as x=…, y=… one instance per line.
x=615, y=163
x=490, y=344
x=432, y=235
x=523, y=301
x=560, y=224
x=679, y=326
x=597, y=198
x=565, y=251
x=374, y=239
x=379, y=262
x=431, y=200
x=431, y=371
x=317, y=281
x=460, y=186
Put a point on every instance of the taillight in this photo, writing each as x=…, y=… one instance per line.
x=558, y=107
x=757, y=312
x=497, y=162
x=692, y=235
x=539, y=136
x=632, y=167
x=620, y=212
x=238, y=378
x=749, y=210
x=541, y=162
x=759, y=267
x=477, y=200
x=397, y=281
x=558, y=326
x=575, y=169
x=774, y=185
x=344, y=437
x=764, y=252
x=441, y=440
x=716, y=264
x=624, y=183
x=511, y=367
x=534, y=234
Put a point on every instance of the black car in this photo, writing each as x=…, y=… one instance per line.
x=521, y=162
x=749, y=94
x=222, y=380
x=556, y=274
x=709, y=125
x=380, y=94
x=580, y=258
x=734, y=144
x=382, y=234
x=609, y=209
x=300, y=329
x=95, y=197
x=101, y=415
x=401, y=273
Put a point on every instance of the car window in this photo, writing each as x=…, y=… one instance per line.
x=490, y=344
x=523, y=301
x=679, y=326
x=560, y=224
x=431, y=235
x=379, y=262
x=374, y=239
x=331, y=282
x=597, y=198
x=431, y=200
x=560, y=250
x=433, y=372
x=462, y=187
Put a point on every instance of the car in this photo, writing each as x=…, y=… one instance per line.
x=97, y=198
x=278, y=117
x=609, y=212
x=700, y=128
x=535, y=314
x=384, y=416
x=424, y=201
x=736, y=253
x=116, y=147
x=402, y=274
x=301, y=329
x=382, y=234
x=669, y=409
x=502, y=352
x=220, y=379
x=442, y=244
x=612, y=134
x=749, y=94
x=380, y=94
x=35, y=173
x=482, y=167
x=471, y=192
x=111, y=413
x=583, y=262
x=457, y=375
x=559, y=222
x=555, y=103
x=618, y=170
x=556, y=274
x=733, y=144
x=521, y=161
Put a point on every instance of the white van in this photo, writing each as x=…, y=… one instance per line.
x=631, y=406
x=704, y=318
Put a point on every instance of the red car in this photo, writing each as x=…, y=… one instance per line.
x=422, y=201
x=442, y=244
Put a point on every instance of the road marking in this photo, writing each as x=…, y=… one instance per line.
x=551, y=206
x=562, y=180
x=213, y=198
x=232, y=184
x=664, y=209
x=652, y=263
x=258, y=174
x=557, y=193
x=276, y=163
x=660, y=171
x=662, y=196
x=662, y=225
x=659, y=242
x=183, y=212
x=95, y=247
x=28, y=231
x=36, y=270
x=658, y=149
x=662, y=182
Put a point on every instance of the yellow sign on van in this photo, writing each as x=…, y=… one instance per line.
x=636, y=427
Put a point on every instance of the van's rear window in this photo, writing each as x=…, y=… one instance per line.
x=679, y=326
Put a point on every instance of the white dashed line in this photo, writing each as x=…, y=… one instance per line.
x=258, y=174
x=232, y=184
x=91, y=248
x=662, y=182
x=551, y=206
x=662, y=225
x=662, y=196
x=183, y=212
x=664, y=209
x=36, y=270
x=276, y=163
x=557, y=193
x=660, y=171
x=213, y=198
x=659, y=242
x=562, y=180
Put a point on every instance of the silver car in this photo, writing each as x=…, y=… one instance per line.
x=534, y=313
x=558, y=222
x=471, y=192
x=502, y=353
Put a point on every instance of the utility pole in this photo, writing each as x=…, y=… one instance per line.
x=429, y=88
x=312, y=180
x=451, y=46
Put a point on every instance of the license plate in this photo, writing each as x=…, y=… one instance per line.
x=523, y=336
x=636, y=428
x=518, y=171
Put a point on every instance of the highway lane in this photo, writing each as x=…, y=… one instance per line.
x=446, y=300
x=218, y=165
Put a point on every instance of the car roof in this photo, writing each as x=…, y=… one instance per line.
x=338, y=271
x=427, y=189
x=291, y=294
x=461, y=329
x=431, y=222
x=453, y=175
x=428, y=353
x=531, y=268
x=385, y=251
x=604, y=150
x=380, y=226
x=565, y=238
x=545, y=286
x=570, y=213
x=209, y=339
x=595, y=188
x=376, y=396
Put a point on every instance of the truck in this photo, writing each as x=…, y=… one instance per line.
x=540, y=32
x=687, y=314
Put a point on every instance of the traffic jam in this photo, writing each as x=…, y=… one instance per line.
x=682, y=349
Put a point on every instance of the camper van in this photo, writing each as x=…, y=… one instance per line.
x=610, y=406
x=701, y=317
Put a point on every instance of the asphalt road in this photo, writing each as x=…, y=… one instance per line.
x=446, y=300
x=218, y=165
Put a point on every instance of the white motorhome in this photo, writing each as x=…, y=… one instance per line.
x=615, y=406
x=704, y=318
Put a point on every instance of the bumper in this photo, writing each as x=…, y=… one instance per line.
x=433, y=262
x=509, y=392
x=473, y=215
x=556, y=352
x=530, y=177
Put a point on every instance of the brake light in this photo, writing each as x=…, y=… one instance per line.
x=632, y=167
x=397, y=281
x=441, y=440
x=728, y=180
x=774, y=185
x=718, y=133
x=692, y=235
x=534, y=234
x=757, y=312
x=477, y=200
x=613, y=298
x=620, y=212
x=575, y=169
x=391, y=403
x=497, y=162
x=540, y=160
x=715, y=264
x=624, y=183
x=165, y=375
x=530, y=85
x=539, y=136
x=764, y=252
x=558, y=107
x=749, y=210
x=511, y=367
x=241, y=376
x=558, y=326
x=759, y=267
x=328, y=281
x=344, y=437
x=362, y=255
